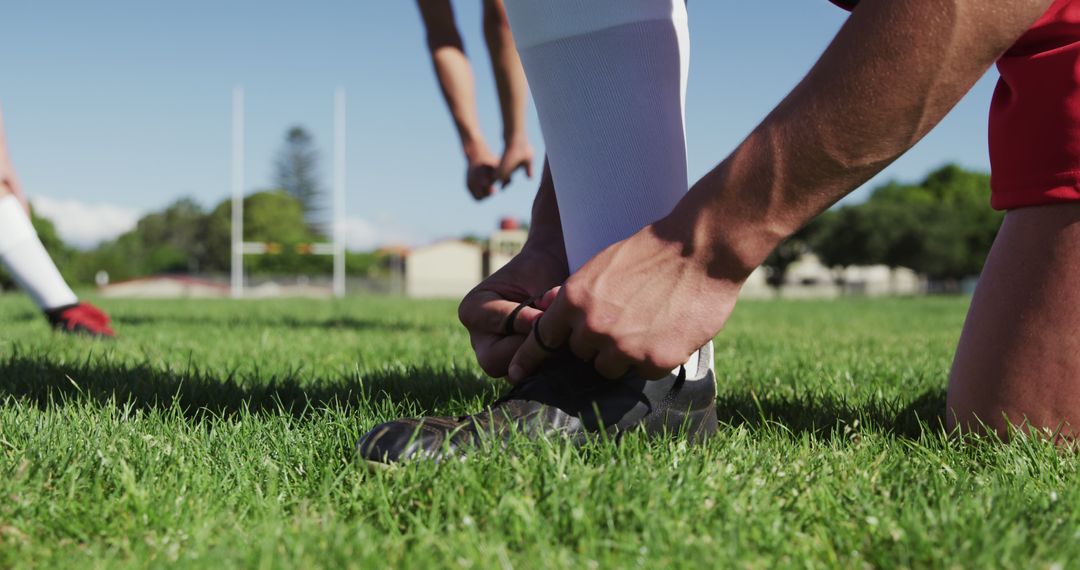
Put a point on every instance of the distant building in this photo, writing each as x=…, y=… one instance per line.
x=757, y=286
x=880, y=280
x=448, y=268
x=504, y=244
x=807, y=277
x=165, y=287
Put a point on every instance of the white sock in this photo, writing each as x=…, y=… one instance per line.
x=609, y=81
x=26, y=260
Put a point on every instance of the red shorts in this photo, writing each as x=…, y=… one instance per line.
x=1035, y=113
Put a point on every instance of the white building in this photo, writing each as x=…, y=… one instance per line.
x=448, y=268
x=165, y=287
x=503, y=246
x=880, y=280
x=807, y=277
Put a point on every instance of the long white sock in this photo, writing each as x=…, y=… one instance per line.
x=609, y=81
x=25, y=258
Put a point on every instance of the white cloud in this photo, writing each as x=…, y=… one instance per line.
x=84, y=224
x=362, y=235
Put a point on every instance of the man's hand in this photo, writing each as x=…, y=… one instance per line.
x=642, y=304
x=486, y=309
x=517, y=155
x=480, y=173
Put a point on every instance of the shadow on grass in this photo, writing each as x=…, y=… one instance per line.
x=422, y=391
x=200, y=394
x=256, y=320
x=828, y=417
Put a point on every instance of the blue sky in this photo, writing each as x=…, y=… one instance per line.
x=116, y=108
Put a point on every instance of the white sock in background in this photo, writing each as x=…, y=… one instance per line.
x=609, y=81
x=26, y=260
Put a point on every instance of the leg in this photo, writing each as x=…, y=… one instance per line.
x=24, y=257
x=1018, y=360
x=513, y=91
x=458, y=87
x=609, y=80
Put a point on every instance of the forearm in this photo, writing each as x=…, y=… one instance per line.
x=545, y=227
x=890, y=75
x=453, y=71
x=509, y=75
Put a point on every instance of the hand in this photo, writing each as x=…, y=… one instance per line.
x=516, y=155
x=485, y=310
x=480, y=173
x=642, y=304
x=11, y=184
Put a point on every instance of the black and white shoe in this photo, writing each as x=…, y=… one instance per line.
x=566, y=399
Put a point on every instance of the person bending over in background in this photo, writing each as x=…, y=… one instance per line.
x=455, y=76
x=606, y=79
x=25, y=259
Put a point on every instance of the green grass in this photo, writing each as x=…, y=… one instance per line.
x=220, y=434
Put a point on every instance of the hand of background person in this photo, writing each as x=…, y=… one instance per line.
x=517, y=155
x=645, y=303
x=480, y=174
x=485, y=310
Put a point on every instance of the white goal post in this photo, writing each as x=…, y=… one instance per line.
x=240, y=248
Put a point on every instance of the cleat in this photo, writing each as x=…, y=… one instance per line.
x=566, y=399
x=80, y=318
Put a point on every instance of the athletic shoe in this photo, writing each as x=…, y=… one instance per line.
x=567, y=399
x=80, y=318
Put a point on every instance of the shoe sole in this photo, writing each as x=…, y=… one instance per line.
x=379, y=467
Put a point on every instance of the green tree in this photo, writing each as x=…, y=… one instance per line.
x=297, y=174
x=942, y=227
x=271, y=216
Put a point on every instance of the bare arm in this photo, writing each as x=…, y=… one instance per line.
x=512, y=88
x=890, y=75
x=9, y=181
x=459, y=90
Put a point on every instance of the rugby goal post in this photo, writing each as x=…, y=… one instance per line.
x=240, y=248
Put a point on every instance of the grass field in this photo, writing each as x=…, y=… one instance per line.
x=220, y=434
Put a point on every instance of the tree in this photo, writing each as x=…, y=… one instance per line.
x=170, y=241
x=942, y=227
x=297, y=174
x=271, y=216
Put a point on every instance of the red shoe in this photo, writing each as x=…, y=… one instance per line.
x=80, y=318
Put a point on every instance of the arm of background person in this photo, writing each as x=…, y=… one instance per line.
x=513, y=92
x=458, y=87
x=891, y=74
x=9, y=181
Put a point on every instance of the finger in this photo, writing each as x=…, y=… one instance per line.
x=611, y=365
x=529, y=167
x=523, y=321
x=544, y=302
x=584, y=347
x=553, y=328
x=504, y=172
x=487, y=312
x=494, y=353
